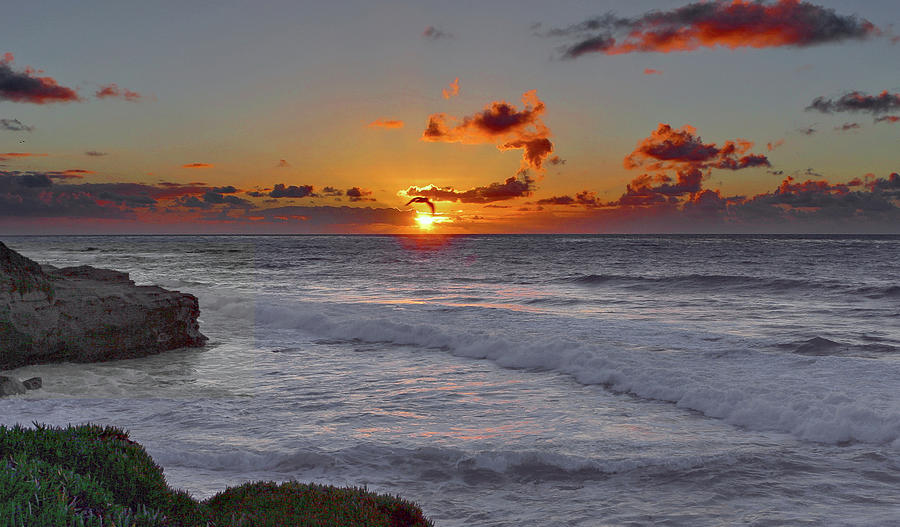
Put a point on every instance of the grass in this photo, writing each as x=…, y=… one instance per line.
x=94, y=476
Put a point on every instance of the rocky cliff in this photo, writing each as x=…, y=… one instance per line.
x=83, y=314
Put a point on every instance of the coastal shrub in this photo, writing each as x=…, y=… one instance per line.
x=80, y=475
x=95, y=476
x=268, y=504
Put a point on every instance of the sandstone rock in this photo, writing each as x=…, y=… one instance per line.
x=10, y=386
x=84, y=314
x=33, y=383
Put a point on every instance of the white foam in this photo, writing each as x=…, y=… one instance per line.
x=823, y=399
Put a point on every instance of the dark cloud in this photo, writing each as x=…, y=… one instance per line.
x=556, y=160
x=282, y=164
x=433, y=33
x=857, y=102
x=668, y=148
x=732, y=25
x=847, y=126
x=584, y=198
x=26, y=86
x=14, y=125
x=198, y=165
x=807, y=131
x=331, y=191
x=95, y=153
x=888, y=119
x=500, y=123
x=213, y=198
x=514, y=187
x=113, y=91
x=35, y=195
x=358, y=194
x=796, y=205
x=293, y=191
x=335, y=219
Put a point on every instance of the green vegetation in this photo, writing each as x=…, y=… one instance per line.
x=94, y=476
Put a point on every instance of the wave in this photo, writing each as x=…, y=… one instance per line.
x=819, y=347
x=827, y=399
x=441, y=463
x=701, y=282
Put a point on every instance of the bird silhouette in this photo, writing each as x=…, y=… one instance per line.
x=422, y=199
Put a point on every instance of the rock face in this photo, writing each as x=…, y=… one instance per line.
x=83, y=314
x=13, y=386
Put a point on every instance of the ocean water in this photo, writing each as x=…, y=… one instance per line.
x=517, y=380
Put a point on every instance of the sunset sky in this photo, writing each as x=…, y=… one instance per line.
x=524, y=116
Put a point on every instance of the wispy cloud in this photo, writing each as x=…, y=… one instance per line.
x=112, y=90
x=433, y=33
x=452, y=90
x=14, y=125
x=386, y=123
x=857, y=102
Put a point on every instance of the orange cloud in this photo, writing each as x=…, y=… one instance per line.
x=735, y=24
x=113, y=90
x=668, y=148
x=651, y=71
x=25, y=86
x=386, y=123
x=12, y=155
x=501, y=123
x=198, y=165
x=511, y=188
x=453, y=89
x=773, y=145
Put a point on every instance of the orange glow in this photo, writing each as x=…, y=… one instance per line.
x=427, y=222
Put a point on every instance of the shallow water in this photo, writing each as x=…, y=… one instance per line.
x=517, y=380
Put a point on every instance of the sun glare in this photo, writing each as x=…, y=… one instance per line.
x=427, y=222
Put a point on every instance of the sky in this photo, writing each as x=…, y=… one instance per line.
x=509, y=117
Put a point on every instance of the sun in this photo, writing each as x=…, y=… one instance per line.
x=427, y=222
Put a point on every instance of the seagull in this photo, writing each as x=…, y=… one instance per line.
x=422, y=199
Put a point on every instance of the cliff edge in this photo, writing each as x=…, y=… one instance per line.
x=85, y=314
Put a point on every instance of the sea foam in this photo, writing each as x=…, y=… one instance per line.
x=823, y=399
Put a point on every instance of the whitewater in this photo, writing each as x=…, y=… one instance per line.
x=516, y=380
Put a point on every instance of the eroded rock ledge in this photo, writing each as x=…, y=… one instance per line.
x=84, y=314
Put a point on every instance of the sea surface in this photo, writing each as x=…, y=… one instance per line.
x=517, y=380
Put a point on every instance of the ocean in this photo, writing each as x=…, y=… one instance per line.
x=516, y=380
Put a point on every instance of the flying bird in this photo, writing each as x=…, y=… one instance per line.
x=422, y=199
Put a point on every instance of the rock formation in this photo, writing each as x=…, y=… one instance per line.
x=84, y=314
x=13, y=386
